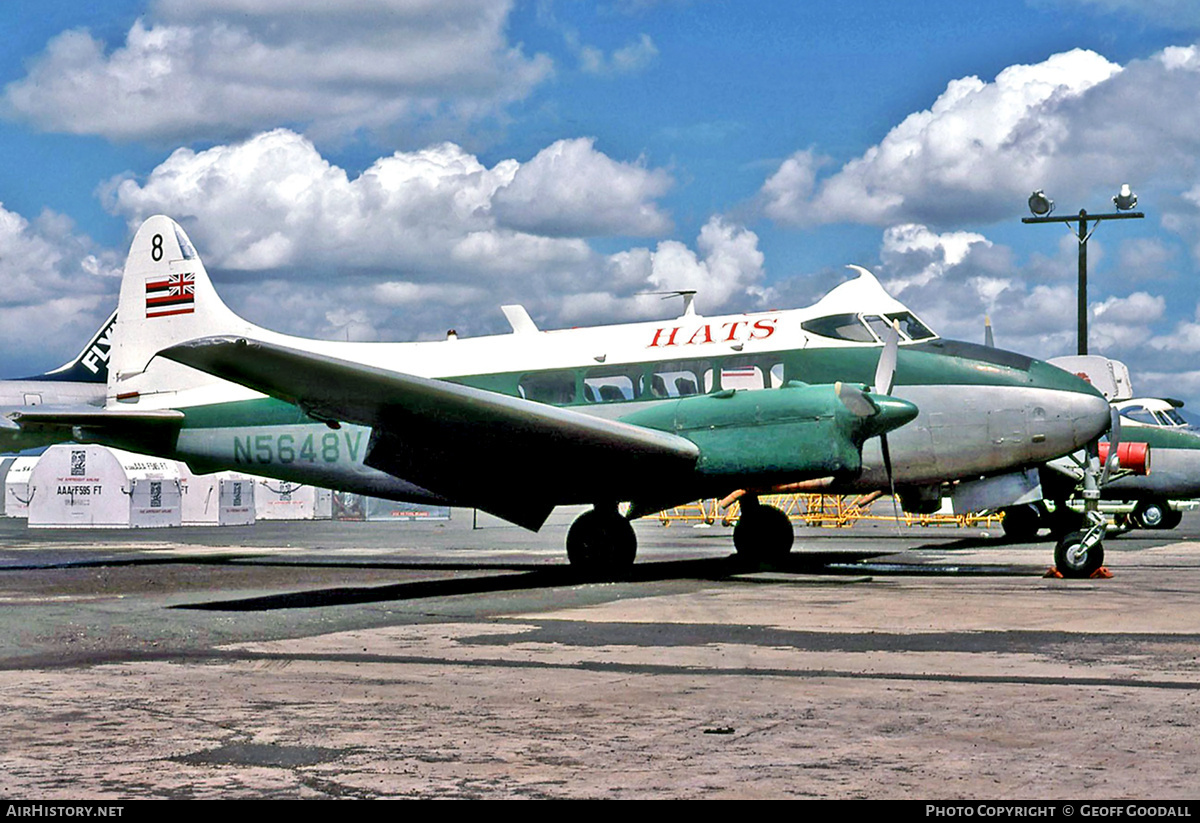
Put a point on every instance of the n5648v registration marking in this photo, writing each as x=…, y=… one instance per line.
x=287, y=448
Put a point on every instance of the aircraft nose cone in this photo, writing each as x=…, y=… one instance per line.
x=1095, y=417
x=1073, y=412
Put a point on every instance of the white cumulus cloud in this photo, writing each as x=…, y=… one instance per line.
x=50, y=278
x=569, y=188
x=226, y=68
x=979, y=146
x=420, y=240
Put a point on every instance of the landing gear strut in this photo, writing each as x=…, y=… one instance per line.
x=763, y=533
x=1080, y=553
x=601, y=542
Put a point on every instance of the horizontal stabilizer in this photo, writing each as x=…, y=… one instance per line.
x=27, y=427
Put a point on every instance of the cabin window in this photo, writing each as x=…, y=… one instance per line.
x=609, y=385
x=681, y=378
x=556, y=388
x=840, y=327
x=751, y=373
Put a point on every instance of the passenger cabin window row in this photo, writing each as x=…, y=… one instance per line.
x=678, y=378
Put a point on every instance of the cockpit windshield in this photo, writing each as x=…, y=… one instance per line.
x=867, y=328
x=1170, y=418
x=1173, y=418
x=840, y=327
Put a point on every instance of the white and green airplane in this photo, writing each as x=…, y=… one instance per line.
x=653, y=414
x=80, y=382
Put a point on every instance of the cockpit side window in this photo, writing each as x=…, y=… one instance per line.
x=878, y=325
x=911, y=327
x=840, y=327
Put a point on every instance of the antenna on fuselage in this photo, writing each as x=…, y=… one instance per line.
x=688, y=295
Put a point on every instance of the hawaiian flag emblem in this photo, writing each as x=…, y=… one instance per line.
x=173, y=294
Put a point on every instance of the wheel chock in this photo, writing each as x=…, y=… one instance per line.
x=1101, y=573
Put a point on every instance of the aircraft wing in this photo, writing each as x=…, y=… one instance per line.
x=507, y=455
x=27, y=427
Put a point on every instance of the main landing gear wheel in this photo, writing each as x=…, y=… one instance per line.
x=763, y=534
x=1021, y=523
x=601, y=543
x=1073, y=558
x=1156, y=514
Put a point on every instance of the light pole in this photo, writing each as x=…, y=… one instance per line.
x=1042, y=206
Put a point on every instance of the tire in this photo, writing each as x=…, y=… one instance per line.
x=1151, y=514
x=1021, y=523
x=1069, y=561
x=1171, y=519
x=763, y=534
x=601, y=544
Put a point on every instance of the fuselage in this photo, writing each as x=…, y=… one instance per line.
x=983, y=411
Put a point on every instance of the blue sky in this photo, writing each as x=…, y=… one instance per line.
x=388, y=169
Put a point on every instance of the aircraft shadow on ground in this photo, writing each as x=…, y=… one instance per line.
x=831, y=564
x=520, y=578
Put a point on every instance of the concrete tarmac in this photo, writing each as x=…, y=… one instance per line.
x=375, y=660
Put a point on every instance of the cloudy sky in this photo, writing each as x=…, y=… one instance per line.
x=389, y=169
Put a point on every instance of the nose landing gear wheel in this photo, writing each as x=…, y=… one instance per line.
x=1073, y=557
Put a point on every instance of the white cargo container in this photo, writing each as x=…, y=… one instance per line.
x=99, y=487
x=16, y=486
x=219, y=499
x=281, y=500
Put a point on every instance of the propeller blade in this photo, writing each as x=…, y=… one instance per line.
x=885, y=370
x=855, y=399
x=887, y=467
x=1114, y=442
x=988, y=339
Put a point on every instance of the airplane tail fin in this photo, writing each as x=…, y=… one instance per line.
x=91, y=364
x=166, y=298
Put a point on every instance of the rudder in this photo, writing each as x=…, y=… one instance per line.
x=166, y=298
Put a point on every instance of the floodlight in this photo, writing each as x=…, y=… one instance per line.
x=1040, y=204
x=1125, y=199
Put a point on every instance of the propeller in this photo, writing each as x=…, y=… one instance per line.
x=855, y=399
x=885, y=375
x=988, y=340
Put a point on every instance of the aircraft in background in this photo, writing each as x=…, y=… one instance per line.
x=1174, y=444
x=654, y=414
x=80, y=382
